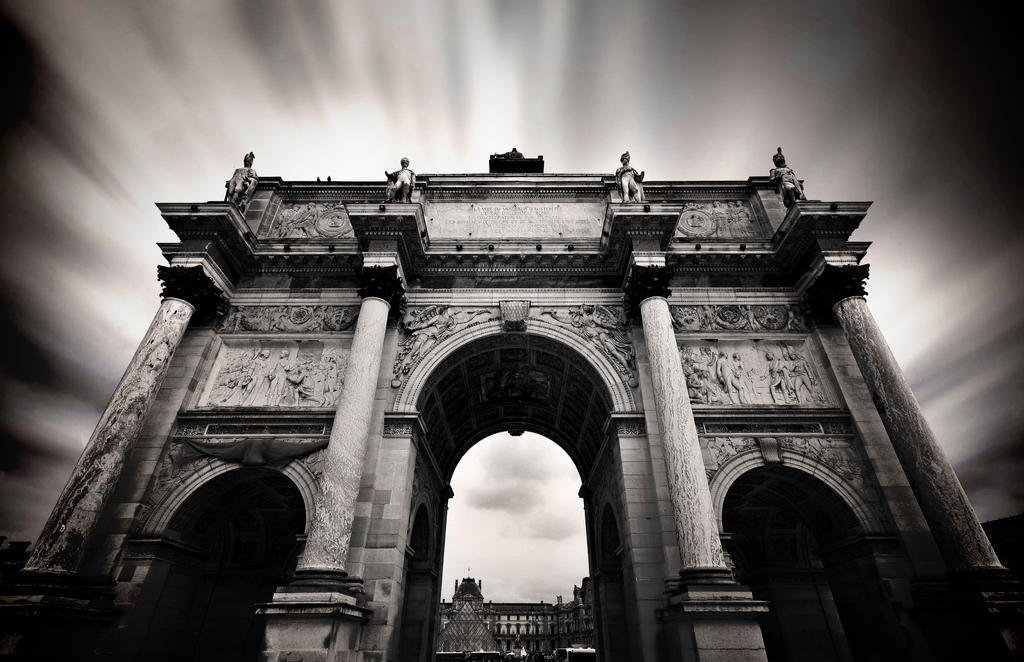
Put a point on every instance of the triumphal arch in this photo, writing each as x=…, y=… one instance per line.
x=271, y=476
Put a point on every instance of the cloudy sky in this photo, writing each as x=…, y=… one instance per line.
x=110, y=107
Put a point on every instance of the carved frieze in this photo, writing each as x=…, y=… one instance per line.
x=719, y=450
x=836, y=453
x=706, y=317
x=289, y=319
x=285, y=374
x=753, y=373
x=424, y=328
x=311, y=220
x=720, y=219
x=605, y=328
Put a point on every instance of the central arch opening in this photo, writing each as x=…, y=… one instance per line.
x=525, y=420
x=516, y=550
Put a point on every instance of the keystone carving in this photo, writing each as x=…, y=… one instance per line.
x=514, y=314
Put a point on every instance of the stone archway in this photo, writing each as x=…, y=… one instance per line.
x=797, y=543
x=221, y=551
x=516, y=383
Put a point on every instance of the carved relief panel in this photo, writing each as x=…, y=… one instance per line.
x=777, y=372
x=718, y=219
x=424, y=328
x=311, y=220
x=276, y=374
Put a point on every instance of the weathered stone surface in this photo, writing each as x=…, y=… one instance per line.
x=699, y=543
x=60, y=547
x=962, y=541
x=769, y=372
x=330, y=531
x=276, y=373
x=518, y=220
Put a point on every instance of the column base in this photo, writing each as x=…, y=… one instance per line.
x=319, y=617
x=56, y=616
x=709, y=618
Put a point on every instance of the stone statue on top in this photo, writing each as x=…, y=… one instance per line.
x=631, y=183
x=786, y=183
x=242, y=184
x=401, y=183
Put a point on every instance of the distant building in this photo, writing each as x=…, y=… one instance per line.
x=470, y=623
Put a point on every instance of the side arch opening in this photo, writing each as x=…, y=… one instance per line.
x=224, y=550
x=798, y=545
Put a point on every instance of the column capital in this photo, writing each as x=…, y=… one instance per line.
x=382, y=282
x=191, y=284
x=834, y=284
x=645, y=282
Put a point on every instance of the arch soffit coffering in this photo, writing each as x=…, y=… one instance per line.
x=296, y=471
x=622, y=397
x=747, y=461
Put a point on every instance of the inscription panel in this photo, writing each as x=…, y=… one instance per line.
x=779, y=372
x=519, y=220
x=276, y=374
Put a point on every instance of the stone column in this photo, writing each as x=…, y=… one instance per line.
x=61, y=546
x=699, y=544
x=330, y=532
x=952, y=520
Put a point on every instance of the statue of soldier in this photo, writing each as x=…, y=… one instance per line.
x=401, y=183
x=242, y=184
x=785, y=181
x=630, y=181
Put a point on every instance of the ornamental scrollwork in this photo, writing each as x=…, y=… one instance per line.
x=289, y=319
x=605, y=328
x=774, y=317
x=836, y=453
x=425, y=328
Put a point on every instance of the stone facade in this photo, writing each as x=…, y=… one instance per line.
x=271, y=475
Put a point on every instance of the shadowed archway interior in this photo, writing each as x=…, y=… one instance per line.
x=797, y=544
x=515, y=383
x=225, y=550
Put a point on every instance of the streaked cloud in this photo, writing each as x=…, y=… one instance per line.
x=115, y=105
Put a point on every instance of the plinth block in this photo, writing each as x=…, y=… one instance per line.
x=315, y=619
x=709, y=617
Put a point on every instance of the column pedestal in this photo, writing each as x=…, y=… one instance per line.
x=307, y=621
x=709, y=617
